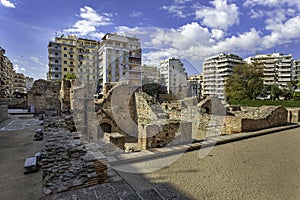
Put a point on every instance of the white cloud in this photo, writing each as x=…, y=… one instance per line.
x=36, y=60
x=7, y=4
x=89, y=22
x=136, y=14
x=182, y=1
x=19, y=69
x=217, y=34
x=282, y=32
x=221, y=15
x=272, y=3
x=176, y=10
x=256, y=13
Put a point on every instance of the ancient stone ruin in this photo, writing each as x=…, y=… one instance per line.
x=80, y=133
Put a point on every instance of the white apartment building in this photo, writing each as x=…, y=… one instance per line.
x=216, y=70
x=173, y=76
x=297, y=71
x=196, y=85
x=278, y=68
x=120, y=59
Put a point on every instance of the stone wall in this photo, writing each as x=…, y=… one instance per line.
x=294, y=115
x=115, y=138
x=65, y=96
x=251, y=119
x=66, y=163
x=44, y=95
x=3, y=112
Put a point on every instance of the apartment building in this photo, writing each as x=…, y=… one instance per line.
x=150, y=74
x=120, y=59
x=278, y=68
x=29, y=83
x=19, y=85
x=173, y=76
x=72, y=55
x=6, y=76
x=196, y=85
x=216, y=70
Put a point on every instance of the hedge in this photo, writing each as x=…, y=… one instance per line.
x=257, y=103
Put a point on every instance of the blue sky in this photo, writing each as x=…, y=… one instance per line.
x=187, y=29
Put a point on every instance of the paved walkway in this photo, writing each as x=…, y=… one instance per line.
x=154, y=153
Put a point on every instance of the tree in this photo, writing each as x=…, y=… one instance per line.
x=275, y=92
x=246, y=82
x=70, y=76
x=154, y=89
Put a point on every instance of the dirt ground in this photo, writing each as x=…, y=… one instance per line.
x=16, y=143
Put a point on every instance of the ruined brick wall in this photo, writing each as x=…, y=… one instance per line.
x=251, y=119
x=66, y=162
x=44, y=95
x=233, y=124
x=65, y=96
x=3, y=112
x=294, y=115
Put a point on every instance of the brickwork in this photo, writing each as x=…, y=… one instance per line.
x=66, y=163
x=44, y=95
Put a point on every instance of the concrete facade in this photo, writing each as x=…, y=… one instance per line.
x=216, y=70
x=278, y=68
x=72, y=55
x=174, y=77
x=120, y=59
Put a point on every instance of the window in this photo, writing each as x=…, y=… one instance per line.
x=56, y=54
x=71, y=62
x=56, y=76
x=71, y=70
x=56, y=68
x=65, y=55
x=56, y=61
x=65, y=62
x=65, y=48
x=65, y=69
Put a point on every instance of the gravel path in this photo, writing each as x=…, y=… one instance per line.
x=266, y=167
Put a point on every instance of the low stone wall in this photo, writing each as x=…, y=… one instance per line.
x=251, y=119
x=66, y=163
x=159, y=135
x=294, y=115
x=115, y=138
x=3, y=112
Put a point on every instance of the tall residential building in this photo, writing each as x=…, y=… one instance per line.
x=216, y=70
x=120, y=59
x=196, y=85
x=29, y=82
x=72, y=55
x=297, y=70
x=278, y=68
x=6, y=76
x=173, y=76
x=19, y=85
x=150, y=74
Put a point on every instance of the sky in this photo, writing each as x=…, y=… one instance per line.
x=186, y=29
